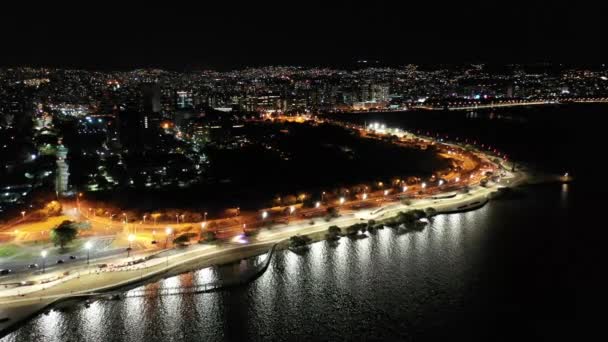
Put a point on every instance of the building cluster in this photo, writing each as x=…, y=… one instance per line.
x=92, y=130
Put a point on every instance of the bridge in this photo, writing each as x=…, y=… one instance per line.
x=472, y=105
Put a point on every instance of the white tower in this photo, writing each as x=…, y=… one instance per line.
x=61, y=181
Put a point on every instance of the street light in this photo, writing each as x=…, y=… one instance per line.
x=205, y=217
x=323, y=196
x=23, y=215
x=404, y=188
x=342, y=200
x=364, y=196
x=130, y=238
x=78, y=200
x=318, y=204
x=457, y=179
x=144, y=218
x=176, y=218
x=125, y=216
x=292, y=209
x=88, y=246
x=440, y=182
x=423, y=185
x=264, y=215
x=385, y=192
x=43, y=254
x=168, y=231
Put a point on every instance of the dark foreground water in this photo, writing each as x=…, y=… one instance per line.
x=504, y=272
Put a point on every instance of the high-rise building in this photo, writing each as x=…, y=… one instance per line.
x=138, y=130
x=150, y=93
x=63, y=173
x=185, y=100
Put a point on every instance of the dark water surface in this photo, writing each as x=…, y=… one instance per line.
x=503, y=272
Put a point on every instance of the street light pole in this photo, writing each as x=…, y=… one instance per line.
x=130, y=238
x=87, y=246
x=43, y=254
x=168, y=231
x=78, y=201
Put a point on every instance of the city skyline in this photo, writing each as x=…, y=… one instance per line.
x=302, y=171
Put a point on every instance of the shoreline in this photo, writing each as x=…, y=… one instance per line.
x=22, y=313
x=21, y=310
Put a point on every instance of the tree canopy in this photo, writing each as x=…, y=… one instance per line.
x=64, y=233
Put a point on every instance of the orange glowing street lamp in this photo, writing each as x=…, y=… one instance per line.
x=168, y=231
x=131, y=238
x=78, y=200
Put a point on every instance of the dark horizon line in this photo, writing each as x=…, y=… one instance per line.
x=187, y=67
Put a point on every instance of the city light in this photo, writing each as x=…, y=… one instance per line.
x=423, y=185
x=317, y=205
x=342, y=200
x=88, y=246
x=264, y=215
x=292, y=209
x=364, y=196
x=43, y=254
x=440, y=182
x=131, y=238
x=385, y=192
x=404, y=188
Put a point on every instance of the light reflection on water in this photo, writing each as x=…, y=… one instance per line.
x=387, y=274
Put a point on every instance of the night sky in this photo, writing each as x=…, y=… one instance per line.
x=203, y=35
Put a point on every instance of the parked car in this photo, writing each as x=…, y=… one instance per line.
x=59, y=261
x=5, y=271
x=32, y=266
x=72, y=257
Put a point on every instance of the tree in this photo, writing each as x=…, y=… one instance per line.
x=64, y=233
x=299, y=240
x=354, y=229
x=289, y=200
x=209, y=236
x=53, y=208
x=418, y=213
x=308, y=202
x=430, y=211
x=183, y=239
x=334, y=230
